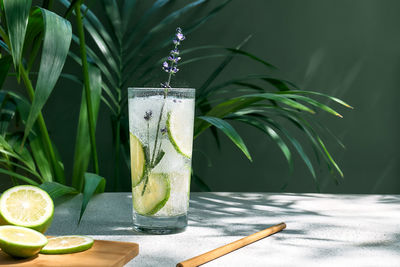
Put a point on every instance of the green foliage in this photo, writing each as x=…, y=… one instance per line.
x=93, y=184
x=30, y=156
x=124, y=52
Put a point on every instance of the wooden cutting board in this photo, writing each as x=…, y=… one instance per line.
x=103, y=253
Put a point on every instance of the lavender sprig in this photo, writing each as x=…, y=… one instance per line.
x=170, y=66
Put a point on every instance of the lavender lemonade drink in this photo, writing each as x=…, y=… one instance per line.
x=161, y=137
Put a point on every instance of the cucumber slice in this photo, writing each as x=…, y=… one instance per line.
x=138, y=160
x=155, y=195
x=179, y=134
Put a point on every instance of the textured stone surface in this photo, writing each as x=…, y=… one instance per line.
x=322, y=229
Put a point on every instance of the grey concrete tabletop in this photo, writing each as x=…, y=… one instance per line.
x=322, y=229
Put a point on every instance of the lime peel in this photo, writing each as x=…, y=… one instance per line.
x=27, y=202
x=155, y=195
x=21, y=241
x=182, y=148
x=138, y=160
x=67, y=244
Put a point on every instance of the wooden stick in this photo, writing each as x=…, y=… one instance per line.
x=218, y=252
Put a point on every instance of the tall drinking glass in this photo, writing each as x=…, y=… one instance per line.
x=161, y=138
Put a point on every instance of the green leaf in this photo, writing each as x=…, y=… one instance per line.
x=142, y=21
x=82, y=145
x=39, y=155
x=93, y=184
x=114, y=17
x=251, y=56
x=56, y=190
x=315, y=103
x=18, y=176
x=227, y=129
x=271, y=133
x=71, y=7
x=7, y=111
x=22, y=152
x=10, y=162
x=161, y=25
x=56, y=43
x=5, y=63
x=337, y=100
x=127, y=11
x=159, y=157
x=4, y=46
x=202, y=91
x=17, y=13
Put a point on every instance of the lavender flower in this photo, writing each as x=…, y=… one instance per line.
x=148, y=115
x=165, y=85
x=170, y=66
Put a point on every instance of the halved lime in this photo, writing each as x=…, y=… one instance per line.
x=20, y=241
x=180, y=135
x=155, y=195
x=67, y=244
x=138, y=160
x=27, y=206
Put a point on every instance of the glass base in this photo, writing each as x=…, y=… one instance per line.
x=159, y=225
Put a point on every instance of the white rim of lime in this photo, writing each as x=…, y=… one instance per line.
x=22, y=244
x=48, y=212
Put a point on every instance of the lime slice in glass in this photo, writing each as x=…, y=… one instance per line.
x=179, y=134
x=138, y=160
x=67, y=244
x=151, y=197
x=20, y=241
x=27, y=206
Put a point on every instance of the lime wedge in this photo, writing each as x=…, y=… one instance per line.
x=155, y=194
x=67, y=244
x=20, y=241
x=179, y=134
x=27, y=206
x=138, y=160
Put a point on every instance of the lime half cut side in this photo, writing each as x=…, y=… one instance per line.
x=180, y=134
x=67, y=244
x=138, y=160
x=151, y=197
x=20, y=241
x=27, y=206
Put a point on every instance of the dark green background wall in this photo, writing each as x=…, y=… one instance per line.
x=348, y=49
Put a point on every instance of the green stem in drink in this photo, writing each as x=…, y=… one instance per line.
x=85, y=71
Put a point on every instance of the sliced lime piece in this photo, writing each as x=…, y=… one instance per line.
x=67, y=244
x=155, y=195
x=20, y=241
x=27, y=206
x=138, y=160
x=180, y=134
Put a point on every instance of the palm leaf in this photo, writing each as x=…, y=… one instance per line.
x=17, y=13
x=5, y=63
x=271, y=133
x=56, y=190
x=93, y=184
x=56, y=42
x=229, y=131
x=161, y=25
x=337, y=100
x=201, y=92
x=19, y=176
x=82, y=146
x=251, y=56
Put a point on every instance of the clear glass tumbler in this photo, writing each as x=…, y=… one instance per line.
x=161, y=138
